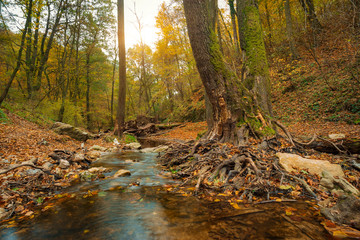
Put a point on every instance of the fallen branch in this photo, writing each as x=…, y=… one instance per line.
x=21, y=165
x=305, y=185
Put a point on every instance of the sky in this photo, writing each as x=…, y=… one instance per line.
x=147, y=10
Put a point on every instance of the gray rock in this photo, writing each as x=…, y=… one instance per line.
x=340, y=183
x=161, y=148
x=346, y=211
x=129, y=161
x=98, y=148
x=133, y=145
x=292, y=161
x=71, y=131
x=147, y=150
x=3, y=213
x=327, y=183
x=336, y=136
x=86, y=175
x=33, y=172
x=64, y=164
x=98, y=170
x=93, y=154
x=122, y=173
x=47, y=166
x=79, y=157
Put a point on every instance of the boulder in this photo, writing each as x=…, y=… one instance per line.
x=329, y=182
x=79, y=157
x=291, y=162
x=337, y=136
x=346, y=211
x=47, y=166
x=122, y=173
x=134, y=145
x=64, y=164
x=71, y=131
x=161, y=148
x=147, y=150
x=93, y=155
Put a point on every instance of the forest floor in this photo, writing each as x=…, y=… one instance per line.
x=25, y=189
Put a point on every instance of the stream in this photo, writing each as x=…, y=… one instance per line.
x=122, y=210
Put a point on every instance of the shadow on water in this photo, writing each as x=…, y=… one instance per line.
x=148, y=211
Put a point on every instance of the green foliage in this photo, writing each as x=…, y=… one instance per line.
x=3, y=117
x=130, y=138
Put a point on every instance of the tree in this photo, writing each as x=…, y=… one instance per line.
x=290, y=30
x=122, y=69
x=21, y=48
x=237, y=105
x=309, y=9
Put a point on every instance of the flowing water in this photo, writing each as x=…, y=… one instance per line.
x=122, y=210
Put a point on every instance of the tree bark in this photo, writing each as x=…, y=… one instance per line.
x=290, y=30
x=309, y=9
x=122, y=69
x=256, y=71
x=231, y=102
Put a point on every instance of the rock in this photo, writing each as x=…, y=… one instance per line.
x=147, y=150
x=64, y=164
x=327, y=183
x=122, y=173
x=79, y=157
x=47, y=166
x=336, y=136
x=98, y=170
x=98, y=148
x=134, y=145
x=33, y=172
x=93, y=154
x=331, y=183
x=87, y=175
x=161, y=148
x=292, y=161
x=129, y=161
x=71, y=131
x=3, y=213
x=346, y=211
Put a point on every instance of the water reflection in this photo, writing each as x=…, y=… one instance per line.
x=149, y=212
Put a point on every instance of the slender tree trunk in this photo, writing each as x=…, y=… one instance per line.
x=309, y=9
x=112, y=90
x=45, y=54
x=88, y=82
x=122, y=69
x=234, y=25
x=18, y=62
x=356, y=6
x=290, y=30
x=268, y=23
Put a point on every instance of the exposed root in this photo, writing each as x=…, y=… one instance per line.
x=218, y=166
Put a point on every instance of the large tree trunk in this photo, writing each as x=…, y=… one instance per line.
x=256, y=71
x=122, y=69
x=232, y=103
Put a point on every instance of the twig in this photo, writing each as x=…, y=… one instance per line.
x=340, y=151
x=305, y=185
x=274, y=201
x=21, y=165
x=286, y=132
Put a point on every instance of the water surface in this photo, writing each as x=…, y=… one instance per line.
x=149, y=211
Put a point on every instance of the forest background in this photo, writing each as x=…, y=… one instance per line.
x=63, y=63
